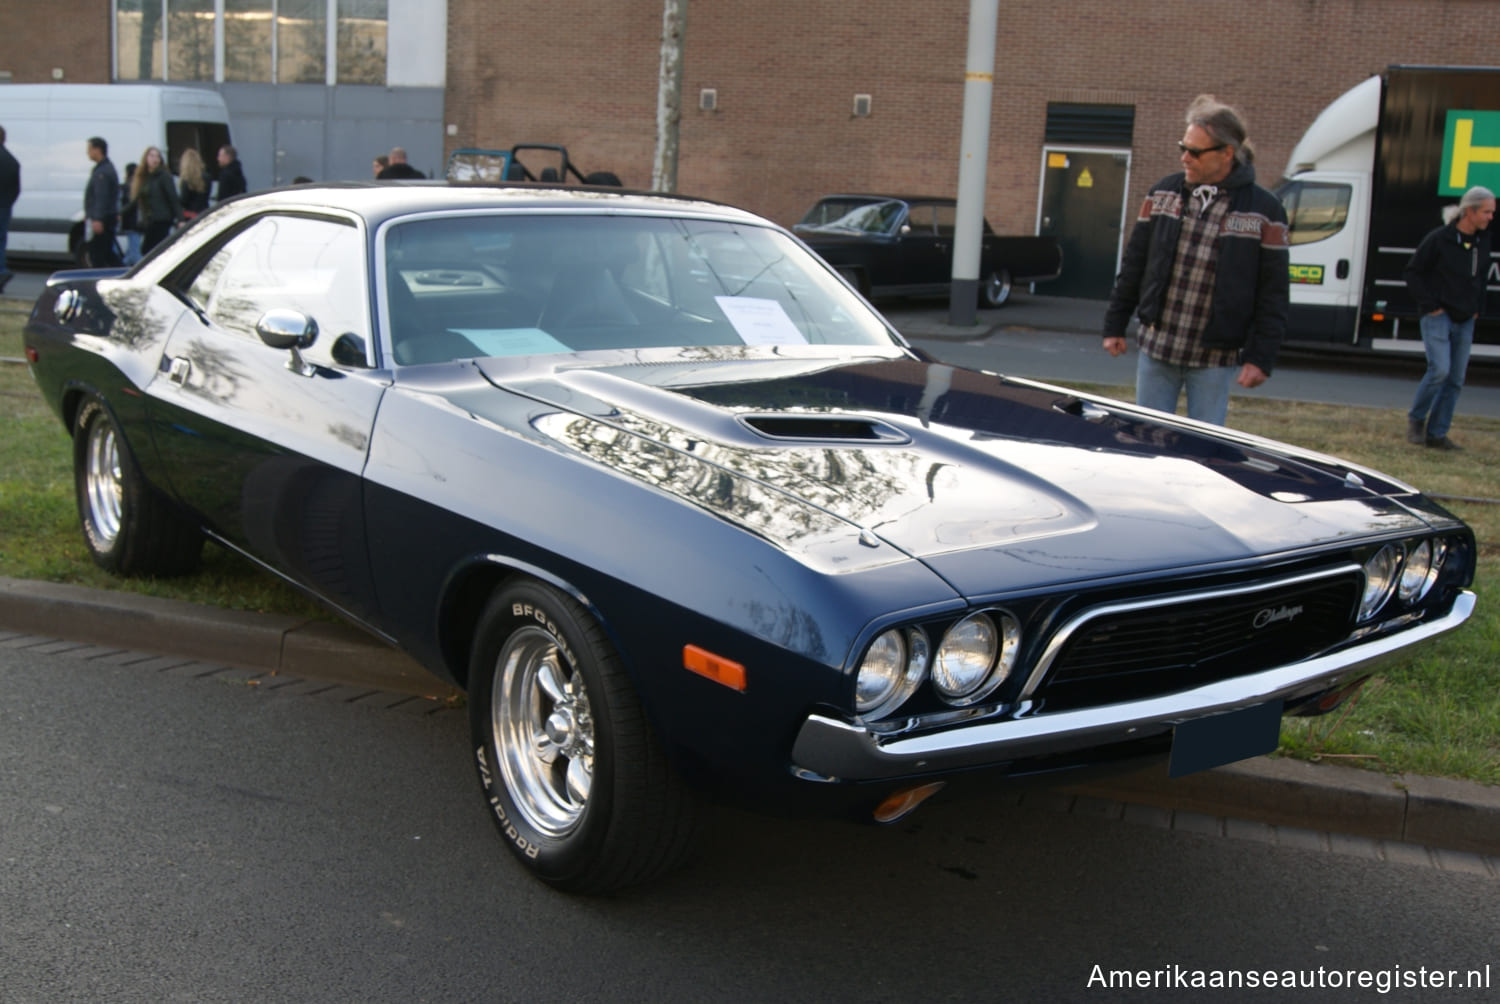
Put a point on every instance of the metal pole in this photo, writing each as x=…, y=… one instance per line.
x=974, y=146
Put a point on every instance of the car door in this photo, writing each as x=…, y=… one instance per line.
x=268, y=444
x=926, y=254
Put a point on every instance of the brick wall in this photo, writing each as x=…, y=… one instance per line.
x=38, y=36
x=786, y=72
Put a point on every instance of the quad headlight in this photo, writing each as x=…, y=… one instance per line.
x=1382, y=570
x=892, y=669
x=1423, y=562
x=976, y=655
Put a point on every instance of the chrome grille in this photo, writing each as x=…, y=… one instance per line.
x=1134, y=650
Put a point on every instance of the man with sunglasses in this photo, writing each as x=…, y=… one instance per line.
x=1206, y=272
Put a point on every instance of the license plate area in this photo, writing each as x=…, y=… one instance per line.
x=1220, y=739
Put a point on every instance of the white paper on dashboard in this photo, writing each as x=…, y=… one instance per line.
x=760, y=321
x=512, y=341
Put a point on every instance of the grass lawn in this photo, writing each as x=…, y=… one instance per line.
x=1434, y=713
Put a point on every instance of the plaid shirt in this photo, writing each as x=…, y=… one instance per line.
x=1178, y=338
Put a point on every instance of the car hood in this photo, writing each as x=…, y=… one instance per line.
x=988, y=480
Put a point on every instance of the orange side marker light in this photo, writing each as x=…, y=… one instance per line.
x=720, y=670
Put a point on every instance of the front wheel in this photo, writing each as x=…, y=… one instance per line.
x=577, y=784
x=995, y=291
x=128, y=527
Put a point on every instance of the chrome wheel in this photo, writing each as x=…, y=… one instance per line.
x=544, y=729
x=104, y=490
x=995, y=291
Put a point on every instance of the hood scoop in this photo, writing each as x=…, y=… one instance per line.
x=823, y=429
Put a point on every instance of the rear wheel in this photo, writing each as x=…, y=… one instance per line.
x=578, y=786
x=995, y=291
x=129, y=529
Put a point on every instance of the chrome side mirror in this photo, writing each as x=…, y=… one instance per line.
x=292, y=330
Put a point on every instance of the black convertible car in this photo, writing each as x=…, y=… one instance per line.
x=687, y=518
x=902, y=245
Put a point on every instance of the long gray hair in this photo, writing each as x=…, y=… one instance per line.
x=1223, y=123
x=1476, y=196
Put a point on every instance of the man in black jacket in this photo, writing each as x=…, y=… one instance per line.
x=1206, y=271
x=231, y=174
x=1447, y=277
x=398, y=168
x=10, y=190
x=101, y=208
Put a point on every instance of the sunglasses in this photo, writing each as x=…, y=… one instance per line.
x=1196, y=152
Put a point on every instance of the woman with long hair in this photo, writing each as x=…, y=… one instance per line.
x=155, y=197
x=192, y=186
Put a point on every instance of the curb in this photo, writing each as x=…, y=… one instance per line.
x=269, y=643
x=1430, y=811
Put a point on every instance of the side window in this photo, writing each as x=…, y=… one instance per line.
x=947, y=220
x=314, y=266
x=1315, y=210
x=919, y=218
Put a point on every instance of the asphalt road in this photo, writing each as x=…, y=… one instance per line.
x=171, y=836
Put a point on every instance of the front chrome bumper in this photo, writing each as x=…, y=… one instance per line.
x=850, y=752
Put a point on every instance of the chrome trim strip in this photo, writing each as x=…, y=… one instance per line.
x=848, y=752
x=1063, y=634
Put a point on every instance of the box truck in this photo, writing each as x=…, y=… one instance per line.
x=48, y=127
x=1367, y=181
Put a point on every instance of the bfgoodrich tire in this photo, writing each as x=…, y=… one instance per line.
x=576, y=783
x=129, y=529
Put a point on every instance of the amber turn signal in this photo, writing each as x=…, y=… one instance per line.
x=904, y=801
x=720, y=670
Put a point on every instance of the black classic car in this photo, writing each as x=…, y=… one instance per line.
x=688, y=519
x=902, y=245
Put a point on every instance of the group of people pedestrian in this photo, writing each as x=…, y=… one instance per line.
x=151, y=202
x=393, y=166
x=1205, y=273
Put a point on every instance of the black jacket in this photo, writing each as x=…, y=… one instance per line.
x=157, y=202
x=1251, y=289
x=1442, y=273
x=101, y=197
x=10, y=178
x=231, y=181
x=396, y=172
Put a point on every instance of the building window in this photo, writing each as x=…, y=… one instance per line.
x=301, y=41
x=190, y=39
x=138, y=25
x=263, y=41
x=247, y=40
x=361, y=48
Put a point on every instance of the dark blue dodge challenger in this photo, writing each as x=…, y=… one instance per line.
x=687, y=518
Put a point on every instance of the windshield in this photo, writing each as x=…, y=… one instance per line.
x=507, y=284
x=866, y=217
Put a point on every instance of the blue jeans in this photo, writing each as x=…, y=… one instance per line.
x=1447, y=343
x=1158, y=385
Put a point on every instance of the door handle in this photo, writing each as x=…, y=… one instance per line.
x=1342, y=269
x=179, y=370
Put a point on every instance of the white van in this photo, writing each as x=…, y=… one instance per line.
x=47, y=129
